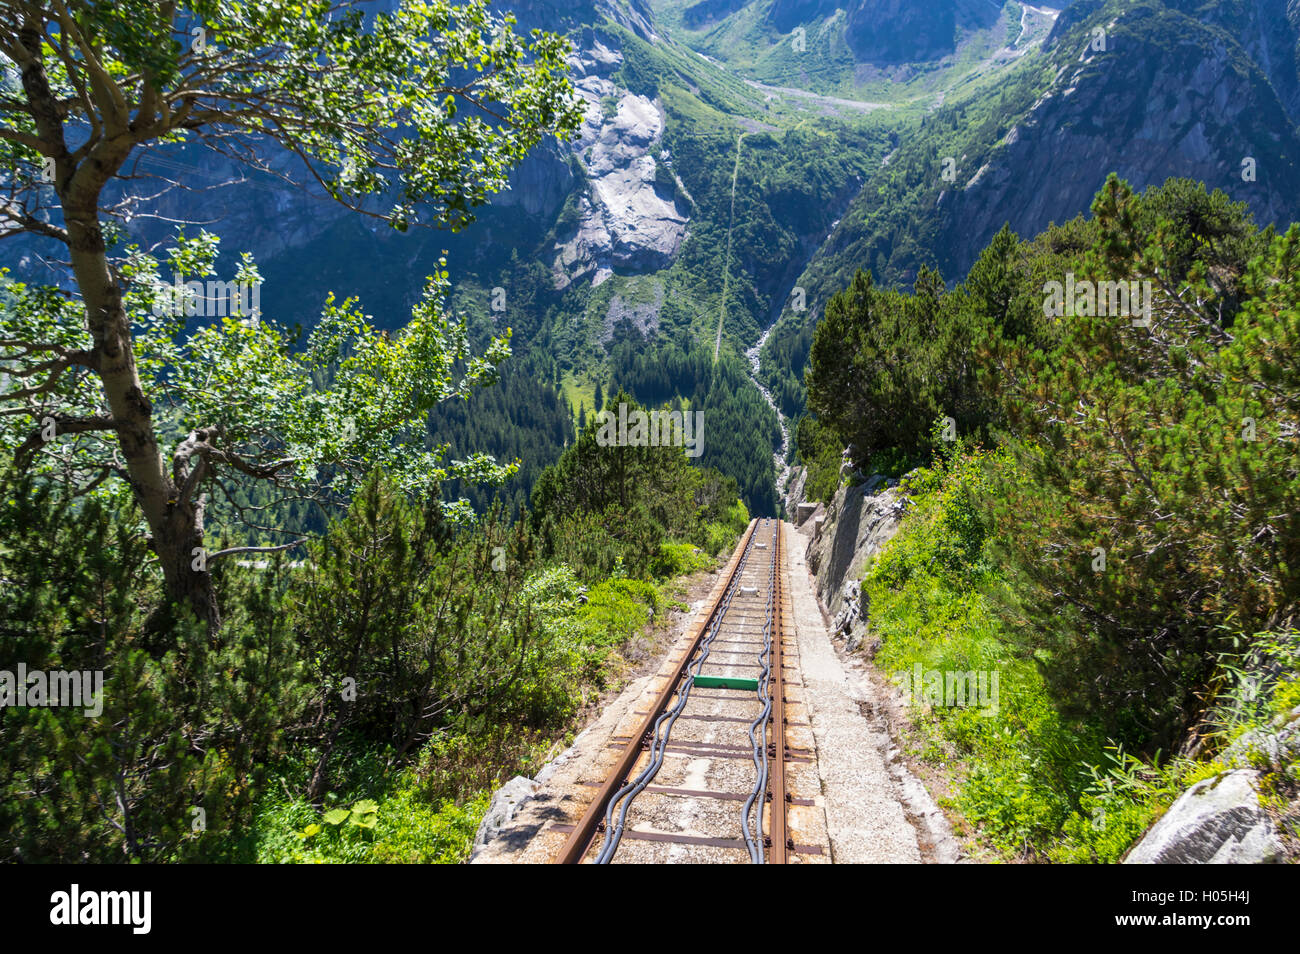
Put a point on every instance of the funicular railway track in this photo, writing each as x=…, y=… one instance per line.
x=711, y=753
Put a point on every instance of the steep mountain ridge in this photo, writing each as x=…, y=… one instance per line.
x=1165, y=96
x=1139, y=89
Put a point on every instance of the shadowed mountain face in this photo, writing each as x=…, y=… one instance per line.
x=709, y=11
x=718, y=186
x=1185, y=87
x=785, y=15
x=1269, y=32
x=1154, y=94
x=904, y=31
x=1144, y=89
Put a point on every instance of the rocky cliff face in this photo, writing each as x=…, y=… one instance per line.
x=1142, y=90
x=887, y=32
x=563, y=16
x=856, y=524
x=539, y=184
x=628, y=218
x=1144, y=109
x=1268, y=30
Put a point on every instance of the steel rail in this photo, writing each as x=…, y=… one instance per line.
x=580, y=838
x=769, y=753
x=754, y=840
x=624, y=797
x=779, y=829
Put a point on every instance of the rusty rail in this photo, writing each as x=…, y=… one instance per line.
x=771, y=785
x=580, y=838
x=778, y=827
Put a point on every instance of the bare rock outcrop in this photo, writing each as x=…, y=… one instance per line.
x=1217, y=821
x=632, y=216
x=859, y=521
x=1276, y=745
x=505, y=804
x=793, y=495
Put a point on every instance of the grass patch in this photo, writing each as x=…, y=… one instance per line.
x=679, y=559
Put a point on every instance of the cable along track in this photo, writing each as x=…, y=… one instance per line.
x=718, y=728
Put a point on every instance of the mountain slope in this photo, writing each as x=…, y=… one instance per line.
x=1268, y=30
x=1138, y=89
x=716, y=185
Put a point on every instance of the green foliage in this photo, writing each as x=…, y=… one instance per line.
x=468, y=660
x=371, y=104
x=723, y=536
x=679, y=559
x=907, y=215
x=1122, y=797
x=926, y=597
x=884, y=366
x=1287, y=695
x=359, y=704
x=401, y=827
x=167, y=769
x=433, y=636
x=737, y=419
x=1035, y=783
x=460, y=765
x=617, y=609
x=1172, y=450
x=1164, y=456
x=606, y=509
x=946, y=537
x=1254, y=681
x=520, y=418
x=248, y=381
x=1124, y=559
x=820, y=452
x=411, y=628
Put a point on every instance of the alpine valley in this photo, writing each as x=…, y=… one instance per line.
x=739, y=161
